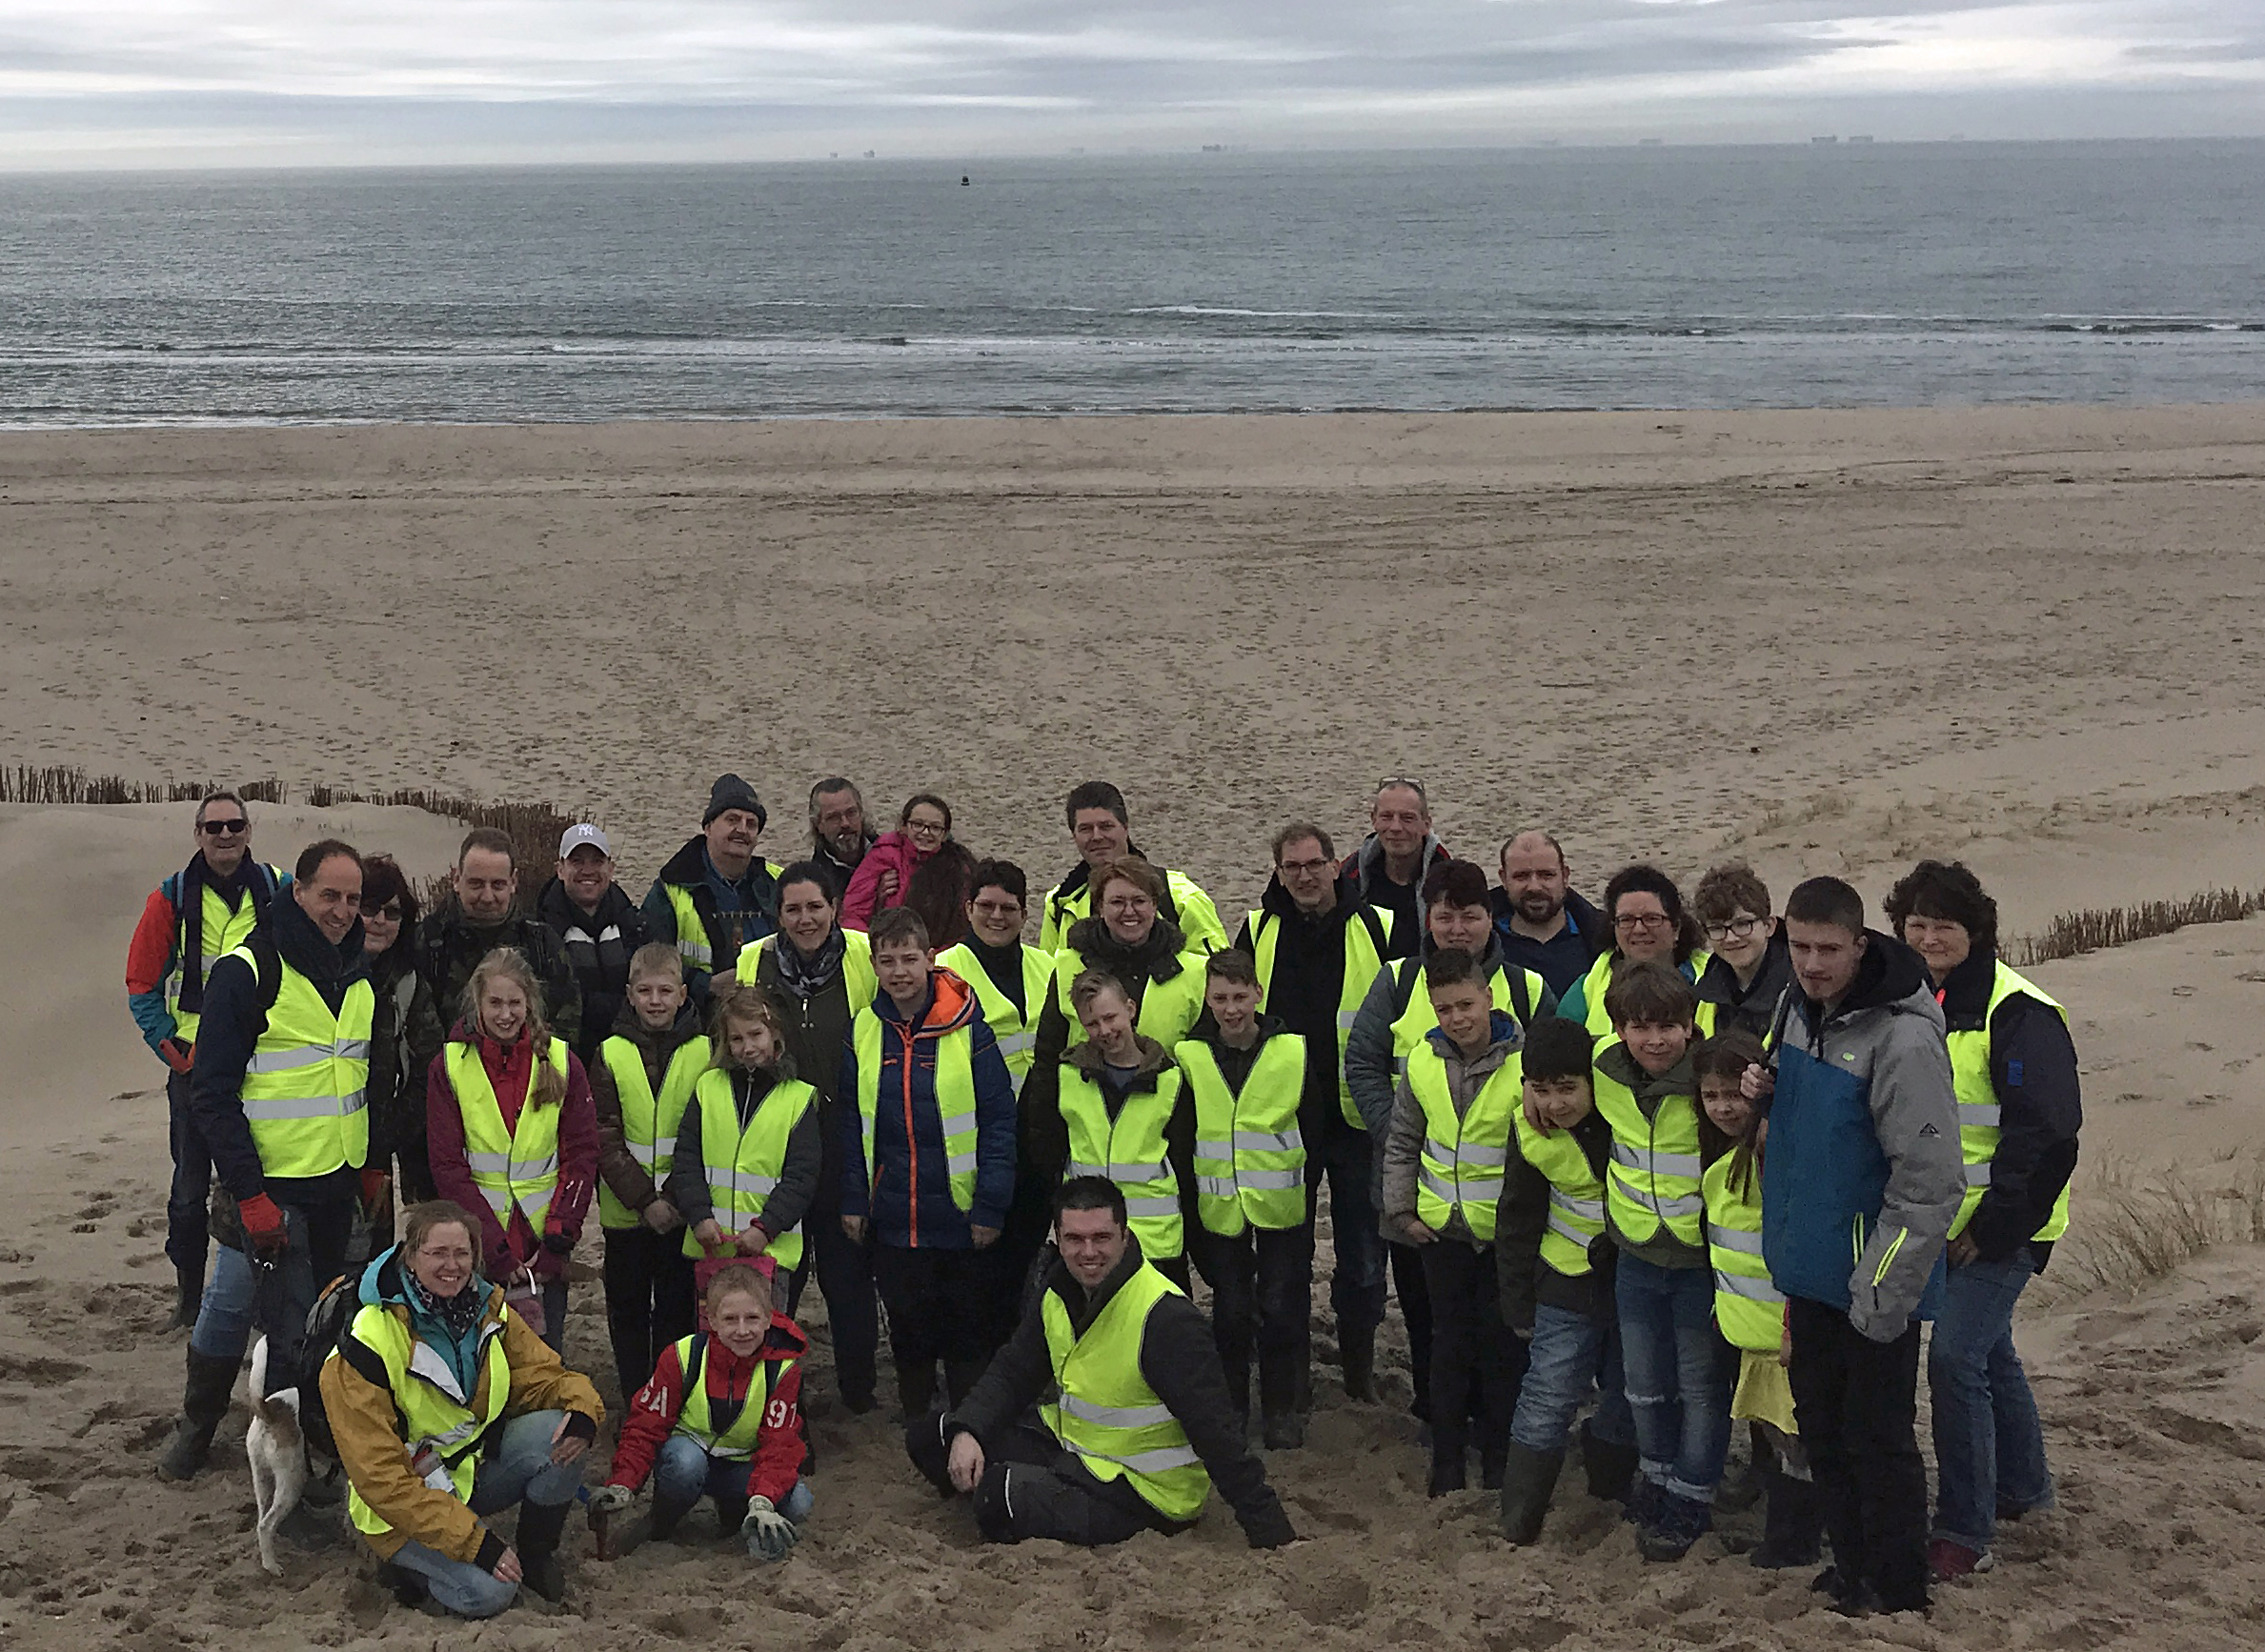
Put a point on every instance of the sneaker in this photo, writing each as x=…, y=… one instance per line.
x=1643, y=1501
x=1675, y=1525
x=1948, y=1562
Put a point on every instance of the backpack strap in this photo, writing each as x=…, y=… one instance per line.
x=1403, y=983
x=1521, y=1000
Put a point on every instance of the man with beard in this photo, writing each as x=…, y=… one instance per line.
x=1540, y=923
x=1102, y=828
x=597, y=929
x=838, y=835
x=1316, y=955
x=480, y=914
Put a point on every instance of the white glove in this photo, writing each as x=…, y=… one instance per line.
x=768, y=1534
x=610, y=1499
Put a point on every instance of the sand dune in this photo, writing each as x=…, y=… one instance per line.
x=1830, y=642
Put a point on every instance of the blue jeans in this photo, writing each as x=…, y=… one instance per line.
x=520, y=1470
x=223, y=1328
x=1678, y=1374
x=684, y=1473
x=1989, y=1447
x=1570, y=1353
x=1357, y=1275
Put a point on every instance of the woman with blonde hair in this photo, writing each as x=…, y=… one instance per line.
x=513, y=1134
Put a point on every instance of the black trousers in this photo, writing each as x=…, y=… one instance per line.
x=1262, y=1301
x=1414, y=1293
x=649, y=1299
x=844, y=1272
x=1856, y=1402
x=942, y=1303
x=1029, y=1221
x=188, y=1233
x=1032, y=1488
x=1471, y=1348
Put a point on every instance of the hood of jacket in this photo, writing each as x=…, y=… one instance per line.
x=1965, y=992
x=1502, y=1029
x=951, y=1005
x=900, y=844
x=1582, y=918
x=1890, y=980
x=1616, y=1061
x=1367, y=862
x=1084, y=1306
x=1159, y=956
x=1086, y=1058
x=1718, y=981
x=554, y=906
x=383, y=1286
x=308, y=950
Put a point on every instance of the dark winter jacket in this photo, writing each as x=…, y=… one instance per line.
x=1179, y=1361
x=1362, y=882
x=2032, y=1068
x=1522, y=1216
x=598, y=947
x=234, y=1019
x=816, y=1033
x=1161, y=957
x=1566, y=955
x=397, y=1093
x=751, y=913
x=1748, y=1008
x=617, y=1166
x=905, y=1190
x=449, y=947
x=790, y=1201
x=1308, y=979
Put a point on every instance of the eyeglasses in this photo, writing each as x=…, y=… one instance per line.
x=1301, y=868
x=927, y=828
x=223, y=828
x=1644, y=920
x=391, y=911
x=1738, y=929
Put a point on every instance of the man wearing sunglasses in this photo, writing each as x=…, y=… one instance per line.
x=190, y=921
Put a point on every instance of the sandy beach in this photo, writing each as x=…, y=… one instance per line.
x=1828, y=641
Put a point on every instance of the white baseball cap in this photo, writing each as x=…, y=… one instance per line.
x=578, y=836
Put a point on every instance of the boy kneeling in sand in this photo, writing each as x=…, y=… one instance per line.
x=722, y=1418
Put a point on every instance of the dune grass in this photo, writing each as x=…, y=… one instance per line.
x=2127, y=1230
x=2092, y=929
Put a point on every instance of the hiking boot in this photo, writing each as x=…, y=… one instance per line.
x=205, y=1396
x=1676, y=1523
x=1642, y=1502
x=1527, y=1479
x=542, y=1527
x=1948, y=1561
x=1610, y=1468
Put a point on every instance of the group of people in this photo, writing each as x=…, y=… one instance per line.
x=1669, y=1166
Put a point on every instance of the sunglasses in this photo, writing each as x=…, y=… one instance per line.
x=1408, y=780
x=224, y=828
x=392, y=910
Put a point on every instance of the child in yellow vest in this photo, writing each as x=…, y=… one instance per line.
x=1748, y=1307
x=722, y=1418
x=642, y=1076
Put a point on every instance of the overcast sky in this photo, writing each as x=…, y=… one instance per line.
x=265, y=82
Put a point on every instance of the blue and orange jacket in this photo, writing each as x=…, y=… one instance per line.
x=907, y=1194
x=156, y=953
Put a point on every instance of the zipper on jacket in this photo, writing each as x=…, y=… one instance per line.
x=912, y=1144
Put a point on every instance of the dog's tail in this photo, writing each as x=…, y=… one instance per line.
x=278, y=1411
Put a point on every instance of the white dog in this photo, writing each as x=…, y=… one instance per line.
x=278, y=1454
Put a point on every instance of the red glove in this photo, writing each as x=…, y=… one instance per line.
x=377, y=1189
x=179, y=1056
x=264, y=1224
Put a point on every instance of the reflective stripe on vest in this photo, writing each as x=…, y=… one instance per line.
x=1654, y=1174
x=1599, y=980
x=1576, y=1196
x=306, y=1084
x=1748, y=1308
x=1460, y=1170
x=1166, y=1009
x=953, y=1104
x=744, y=1165
x=1251, y=1156
x=1130, y=1152
x=1107, y=1415
x=691, y=931
x=1978, y=1107
x=859, y=982
x=226, y=928
x=1416, y=1022
x=648, y=1122
x=1015, y=1029
x=1362, y=962
x=515, y=1167
x=433, y=1411
x=695, y=1419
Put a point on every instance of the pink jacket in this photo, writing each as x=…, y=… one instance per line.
x=891, y=852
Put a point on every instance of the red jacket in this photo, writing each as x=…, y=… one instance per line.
x=891, y=852
x=520, y=1246
x=778, y=1448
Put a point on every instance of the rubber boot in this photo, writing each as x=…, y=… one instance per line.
x=211, y=1385
x=1793, y=1524
x=1355, y=1346
x=1611, y=1468
x=1449, y=1472
x=916, y=1386
x=1494, y=1456
x=542, y=1527
x=1527, y=1479
x=189, y=1295
x=1283, y=1423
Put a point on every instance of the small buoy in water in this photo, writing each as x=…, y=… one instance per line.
x=964, y=180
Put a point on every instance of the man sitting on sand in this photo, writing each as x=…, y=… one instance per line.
x=1143, y=1425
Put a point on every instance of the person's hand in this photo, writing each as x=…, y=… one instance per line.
x=660, y=1215
x=179, y=1056
x=855, y=1227
x=1523, y=1333
x=966, y=1464
x=1534, y=1114
x=888, y=886
x=1962, y=1250
x=1756, y=1081
x=1416, y=1232
x=984, y=1236
x=753, y=1242
x=565, y=1447
x=609, y=1500
x=768, y=1534
x=558, y=1245
x=1785, y=1349
x=507, y=1567
x=711, y=1236
x=264, y=1225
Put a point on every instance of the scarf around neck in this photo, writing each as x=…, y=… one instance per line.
x=808, y=976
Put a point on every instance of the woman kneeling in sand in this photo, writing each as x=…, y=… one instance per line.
x=446, y=1409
